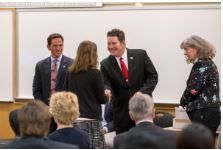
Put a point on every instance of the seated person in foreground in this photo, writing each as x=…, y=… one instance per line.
x=34, y=121
x=195, y=136
x=142, y=112
x=65, y=110
x=108, y=115
x=13, y=121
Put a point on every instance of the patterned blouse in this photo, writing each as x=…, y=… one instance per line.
x=202, y=89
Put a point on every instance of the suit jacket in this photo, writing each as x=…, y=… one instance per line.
x=73, y=136
x=146, y=135
x=202, y=89
x=108, y=115
x=42, y=78
x=37, y=143
x=142, y=77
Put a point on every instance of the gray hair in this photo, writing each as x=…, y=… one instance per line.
x=140, y=106
x=204, y=48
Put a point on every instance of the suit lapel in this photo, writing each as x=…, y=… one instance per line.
x=131, y=64
x=61, y=68
x=47, y=73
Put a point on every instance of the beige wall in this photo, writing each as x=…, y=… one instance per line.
x=5, y=108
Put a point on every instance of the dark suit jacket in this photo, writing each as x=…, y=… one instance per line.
x=156, y=136
x=37, y=143
x=202, y=89
x=73, y=136
x=142, y=77
x=42, y=78
x=108, y=115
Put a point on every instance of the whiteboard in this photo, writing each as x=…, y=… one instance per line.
x=158, y=31
x=6, y=61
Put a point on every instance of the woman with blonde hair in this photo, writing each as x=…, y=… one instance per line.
x=85, y=80
x=65, y=110
x=201, y=96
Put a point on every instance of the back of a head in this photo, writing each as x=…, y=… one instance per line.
x=195, y=136
x=13, y=121
x=141, y=106
x=34, y=119
x=86, y=57
x=64, y=107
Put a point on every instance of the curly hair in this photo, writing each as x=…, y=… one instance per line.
x=64, y=107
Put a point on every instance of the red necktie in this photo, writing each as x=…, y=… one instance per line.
x=54, y=76
x=124, y=69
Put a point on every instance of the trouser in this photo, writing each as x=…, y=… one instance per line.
x=210, y=117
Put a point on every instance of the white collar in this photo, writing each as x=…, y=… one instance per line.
x=124, y=56
x=144, y=120
x=59, y=58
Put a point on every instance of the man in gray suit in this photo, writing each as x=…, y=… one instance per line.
x=126, y=72
x=145, y=134
x=42, y=82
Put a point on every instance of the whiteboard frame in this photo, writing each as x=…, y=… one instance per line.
x=14, y=57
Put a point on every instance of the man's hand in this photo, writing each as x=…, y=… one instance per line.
x=136, y=93
x=104, y=130
x=108, y=94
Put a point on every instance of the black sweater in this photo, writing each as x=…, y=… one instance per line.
x=88, y=86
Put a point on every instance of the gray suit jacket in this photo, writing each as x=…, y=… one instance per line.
x=42, y=78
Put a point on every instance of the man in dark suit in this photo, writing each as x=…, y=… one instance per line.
x=50, y=72
x=108, y=115
x=43, y=82
x=34, y=119
x=126, y=72
x=145, y=134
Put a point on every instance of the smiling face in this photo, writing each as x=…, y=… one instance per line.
x=115, y=47
x=191, y=54
x=56, y=47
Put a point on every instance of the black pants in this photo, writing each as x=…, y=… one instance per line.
x=210, y=117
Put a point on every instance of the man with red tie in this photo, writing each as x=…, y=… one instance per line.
x=126, y=72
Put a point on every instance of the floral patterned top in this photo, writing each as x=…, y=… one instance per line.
x=202, y=89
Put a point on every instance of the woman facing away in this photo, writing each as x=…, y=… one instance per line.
x=65, y=110
x=85, y=80
x=201, y=96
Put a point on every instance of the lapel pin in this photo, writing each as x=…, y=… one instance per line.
x=131, y=57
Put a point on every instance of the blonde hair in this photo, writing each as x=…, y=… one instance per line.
x=64, y=107
x=203, y=47
x=86, y=57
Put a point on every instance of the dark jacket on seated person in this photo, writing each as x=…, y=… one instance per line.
x=72, y=136
x=108, y=115
x=37, y=143
x=158, y=137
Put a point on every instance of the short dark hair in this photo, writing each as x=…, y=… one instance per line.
x=195, y=136
x=117, y=32
x=13, y=121
x=53, y=36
